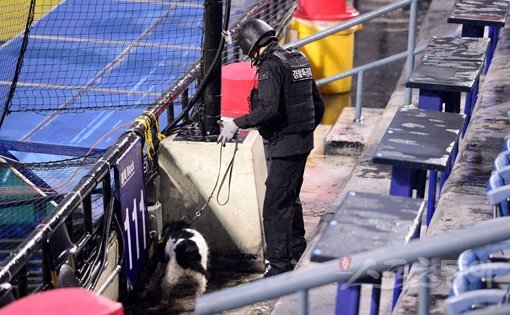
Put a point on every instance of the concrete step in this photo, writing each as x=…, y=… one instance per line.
x=349, y=137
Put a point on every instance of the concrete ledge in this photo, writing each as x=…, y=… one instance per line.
x=349, y=137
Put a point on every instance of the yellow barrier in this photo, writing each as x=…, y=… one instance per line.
x=330, y=55
x=14, y=14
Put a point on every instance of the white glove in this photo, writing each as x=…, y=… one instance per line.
x=228, y=131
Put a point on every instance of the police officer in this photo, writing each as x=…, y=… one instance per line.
x=286, y=109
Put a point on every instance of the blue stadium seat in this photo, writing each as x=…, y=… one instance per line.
x=479, y=270
x=502, y=160
x=485, y=254
x=478, y=277
x=498, y=191
x=473, y=287
x=506, y=146
x=465, y=302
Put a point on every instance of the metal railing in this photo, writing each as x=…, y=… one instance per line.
x=80, y=196
x=360, y=71
x=301, y=280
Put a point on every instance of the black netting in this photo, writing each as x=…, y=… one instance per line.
x=276, y=13
x=108, y=54
x=101, y=54
x=30, y=192
x=92, y=55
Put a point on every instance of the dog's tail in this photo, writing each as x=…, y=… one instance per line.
x=188, y=256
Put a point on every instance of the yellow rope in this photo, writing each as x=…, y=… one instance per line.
x=149, y=144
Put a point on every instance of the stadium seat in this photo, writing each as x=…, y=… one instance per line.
x=467, y=301
x=506, y=146
x=480, y=270
x=485, y=254
x=498, y=191
x=480, y=276
x=477, y=286
x=502, y=160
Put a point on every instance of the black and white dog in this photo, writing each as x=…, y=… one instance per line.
x=185, y=254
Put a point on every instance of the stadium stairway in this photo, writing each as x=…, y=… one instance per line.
x=463, y=201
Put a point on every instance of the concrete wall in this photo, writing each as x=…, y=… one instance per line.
x=189, y=171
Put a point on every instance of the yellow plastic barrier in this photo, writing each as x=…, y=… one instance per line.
x=330, y=55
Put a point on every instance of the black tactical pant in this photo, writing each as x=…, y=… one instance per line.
x=283, y=215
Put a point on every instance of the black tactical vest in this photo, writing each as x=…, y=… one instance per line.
x=298, y=93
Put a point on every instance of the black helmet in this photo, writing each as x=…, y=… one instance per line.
x=251, y=34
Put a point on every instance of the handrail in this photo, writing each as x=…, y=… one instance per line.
x=362, y=265
x=411, y=44
x=360, y=71
x=350, y=23
x=368, y=66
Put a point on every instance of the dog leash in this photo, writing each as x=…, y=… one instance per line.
x=228, y=172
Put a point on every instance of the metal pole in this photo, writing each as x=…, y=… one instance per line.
x=424, y=284
x=185, y=103
x=303, y=302
x=109, y=280
x=367, y=66
x=411, y=44
x=212, y=38
x=359, y=95
x=170, y=112
x=350, y=23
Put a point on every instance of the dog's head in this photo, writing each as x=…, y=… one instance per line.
x=174, y=230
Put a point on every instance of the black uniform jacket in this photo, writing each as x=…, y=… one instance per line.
x=269, y=107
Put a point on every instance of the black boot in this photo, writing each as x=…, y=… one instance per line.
x=276, y=268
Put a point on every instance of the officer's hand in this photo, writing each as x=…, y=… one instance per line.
x=228, y=131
